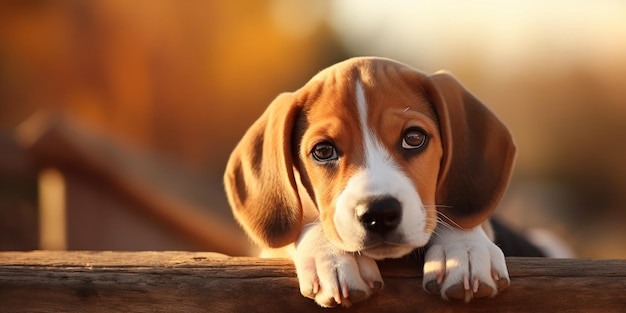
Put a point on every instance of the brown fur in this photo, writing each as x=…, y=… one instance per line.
x=465, y=168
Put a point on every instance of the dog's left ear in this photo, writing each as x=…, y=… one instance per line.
x=478, y=153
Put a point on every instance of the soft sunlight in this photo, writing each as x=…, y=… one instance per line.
x=503, y=32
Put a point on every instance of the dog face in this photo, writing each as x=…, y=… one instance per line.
x=369, y=153
x=380, y=148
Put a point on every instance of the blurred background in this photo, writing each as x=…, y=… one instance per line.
x=117, y=117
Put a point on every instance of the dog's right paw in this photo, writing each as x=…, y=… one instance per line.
x=333, y=277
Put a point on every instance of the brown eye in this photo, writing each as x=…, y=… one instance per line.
x=414, y=138
x=324, y=152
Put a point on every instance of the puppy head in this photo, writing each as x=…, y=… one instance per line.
x=378, y=147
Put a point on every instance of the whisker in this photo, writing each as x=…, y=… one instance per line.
x=443, y=223
x=438, y=206
x=442, y=215
x=434, y=234
x=431, y=222
x=448, y=220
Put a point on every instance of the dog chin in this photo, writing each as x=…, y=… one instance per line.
x=387, y=251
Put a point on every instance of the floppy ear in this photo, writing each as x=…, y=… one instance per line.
x=259, y=177
x=478, y=153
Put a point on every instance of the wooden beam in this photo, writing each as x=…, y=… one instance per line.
x=55, y=281
x=57, y=142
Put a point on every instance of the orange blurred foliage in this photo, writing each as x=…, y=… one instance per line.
x=183, y=79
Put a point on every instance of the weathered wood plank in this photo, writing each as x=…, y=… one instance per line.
x=43, y=281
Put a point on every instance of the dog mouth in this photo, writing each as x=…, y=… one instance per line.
x=387, y=250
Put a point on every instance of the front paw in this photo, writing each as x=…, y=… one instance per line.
x=333, y=277
x=463, y=265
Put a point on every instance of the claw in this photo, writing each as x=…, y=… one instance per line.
x=337, y=297
x=495, y=275
x=466, y=284
x=440, y=276
x=378, y=285
x=468, y=296
x=344, y=291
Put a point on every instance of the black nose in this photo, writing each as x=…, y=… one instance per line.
x=382, y=215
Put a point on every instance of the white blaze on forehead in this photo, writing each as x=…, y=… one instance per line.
x=380, y=176
x=361, y=103
x=378, y=162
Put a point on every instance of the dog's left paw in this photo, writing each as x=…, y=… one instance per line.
x=463, y=265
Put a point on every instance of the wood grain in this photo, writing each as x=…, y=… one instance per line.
x=46, y=281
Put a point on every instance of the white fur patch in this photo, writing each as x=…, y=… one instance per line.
x=381, y=176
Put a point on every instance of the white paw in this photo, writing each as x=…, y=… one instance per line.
x=330, y=276
x=464, y=264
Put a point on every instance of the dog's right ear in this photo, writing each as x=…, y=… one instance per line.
x=259, y=177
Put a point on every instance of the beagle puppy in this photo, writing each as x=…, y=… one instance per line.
x=372, y=159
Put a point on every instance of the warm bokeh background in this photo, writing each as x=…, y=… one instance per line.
x=130, y=108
